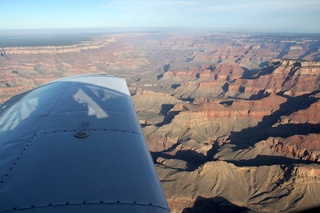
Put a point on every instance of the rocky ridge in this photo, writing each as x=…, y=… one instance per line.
x=85, y=45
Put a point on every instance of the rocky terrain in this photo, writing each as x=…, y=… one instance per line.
x=231, y=120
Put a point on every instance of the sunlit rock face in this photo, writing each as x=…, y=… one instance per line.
x=231, y=120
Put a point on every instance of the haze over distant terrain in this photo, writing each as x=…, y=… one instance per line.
x=231, y=119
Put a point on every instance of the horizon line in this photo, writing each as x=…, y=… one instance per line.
x=149, y=29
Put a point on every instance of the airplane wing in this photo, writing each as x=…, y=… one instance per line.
x=75, y=145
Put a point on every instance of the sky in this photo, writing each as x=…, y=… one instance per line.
x=301, y=16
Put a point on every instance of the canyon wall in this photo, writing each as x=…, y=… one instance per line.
x=231, y=120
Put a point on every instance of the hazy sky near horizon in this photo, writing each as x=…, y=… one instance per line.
x=231, y=15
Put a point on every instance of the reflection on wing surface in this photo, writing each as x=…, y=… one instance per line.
x=45, y=168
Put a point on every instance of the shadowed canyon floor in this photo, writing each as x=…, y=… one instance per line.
x=231, y=120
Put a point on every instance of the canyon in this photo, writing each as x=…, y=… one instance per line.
x=231, y=119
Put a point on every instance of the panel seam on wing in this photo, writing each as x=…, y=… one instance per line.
x=101, y=202
x=89, y=129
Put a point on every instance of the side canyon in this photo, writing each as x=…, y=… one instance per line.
x=231, y=120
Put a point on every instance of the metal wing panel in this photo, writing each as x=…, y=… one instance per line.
x=72, y=120
x=96, y=208
x=43, y=164
x=97, y=169
x=113, y=83
x=20, y=129
x=49, y=94
x=27, y=115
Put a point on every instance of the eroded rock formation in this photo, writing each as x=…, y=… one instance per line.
x=231, y=120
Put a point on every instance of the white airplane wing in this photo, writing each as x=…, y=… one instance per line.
x=75, y=145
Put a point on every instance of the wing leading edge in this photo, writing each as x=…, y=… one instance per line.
x=75, y=145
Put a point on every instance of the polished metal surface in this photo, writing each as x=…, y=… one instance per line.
x=75, y=145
